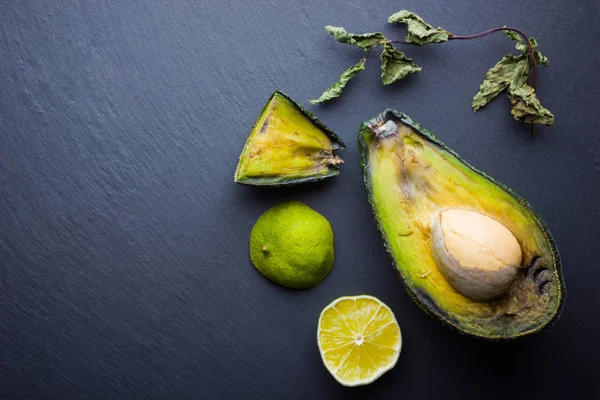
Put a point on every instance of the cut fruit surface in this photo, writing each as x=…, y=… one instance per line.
x=288, y=145
x=359, y=339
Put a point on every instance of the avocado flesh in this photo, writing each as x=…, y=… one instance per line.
x=287, y=145
x=411, y=176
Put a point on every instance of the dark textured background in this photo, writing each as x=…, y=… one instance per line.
x=123, y=242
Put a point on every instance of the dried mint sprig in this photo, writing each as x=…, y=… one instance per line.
x=511, y=73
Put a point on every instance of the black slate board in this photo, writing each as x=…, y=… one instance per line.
x=123, y=242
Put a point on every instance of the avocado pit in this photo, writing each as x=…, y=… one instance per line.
x=478, y=256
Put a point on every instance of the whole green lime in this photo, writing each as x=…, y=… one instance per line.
x=292, y=244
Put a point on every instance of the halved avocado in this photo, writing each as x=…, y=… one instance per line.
x=412, y=179
x=288, y=145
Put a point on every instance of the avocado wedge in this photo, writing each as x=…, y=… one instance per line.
x=288, y=145
x=471, y=252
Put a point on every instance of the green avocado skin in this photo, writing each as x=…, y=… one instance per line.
x=422, y=299
x=337, y=142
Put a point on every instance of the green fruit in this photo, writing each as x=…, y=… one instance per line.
x=288, y=145
x=292, y=244
x=470, y=251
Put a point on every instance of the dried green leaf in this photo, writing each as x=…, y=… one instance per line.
x=362, y=40
x=540, y=59
x=499, y=78
x=512, y=73
x=537, y=55
x=395, y=65
x=522, y=47
x=533, y=42
x=525, y=106
x=419, y=31
x=513, y=35
x=520, y=73
x=336, y=89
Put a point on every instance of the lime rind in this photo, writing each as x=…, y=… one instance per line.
x=292, y=245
